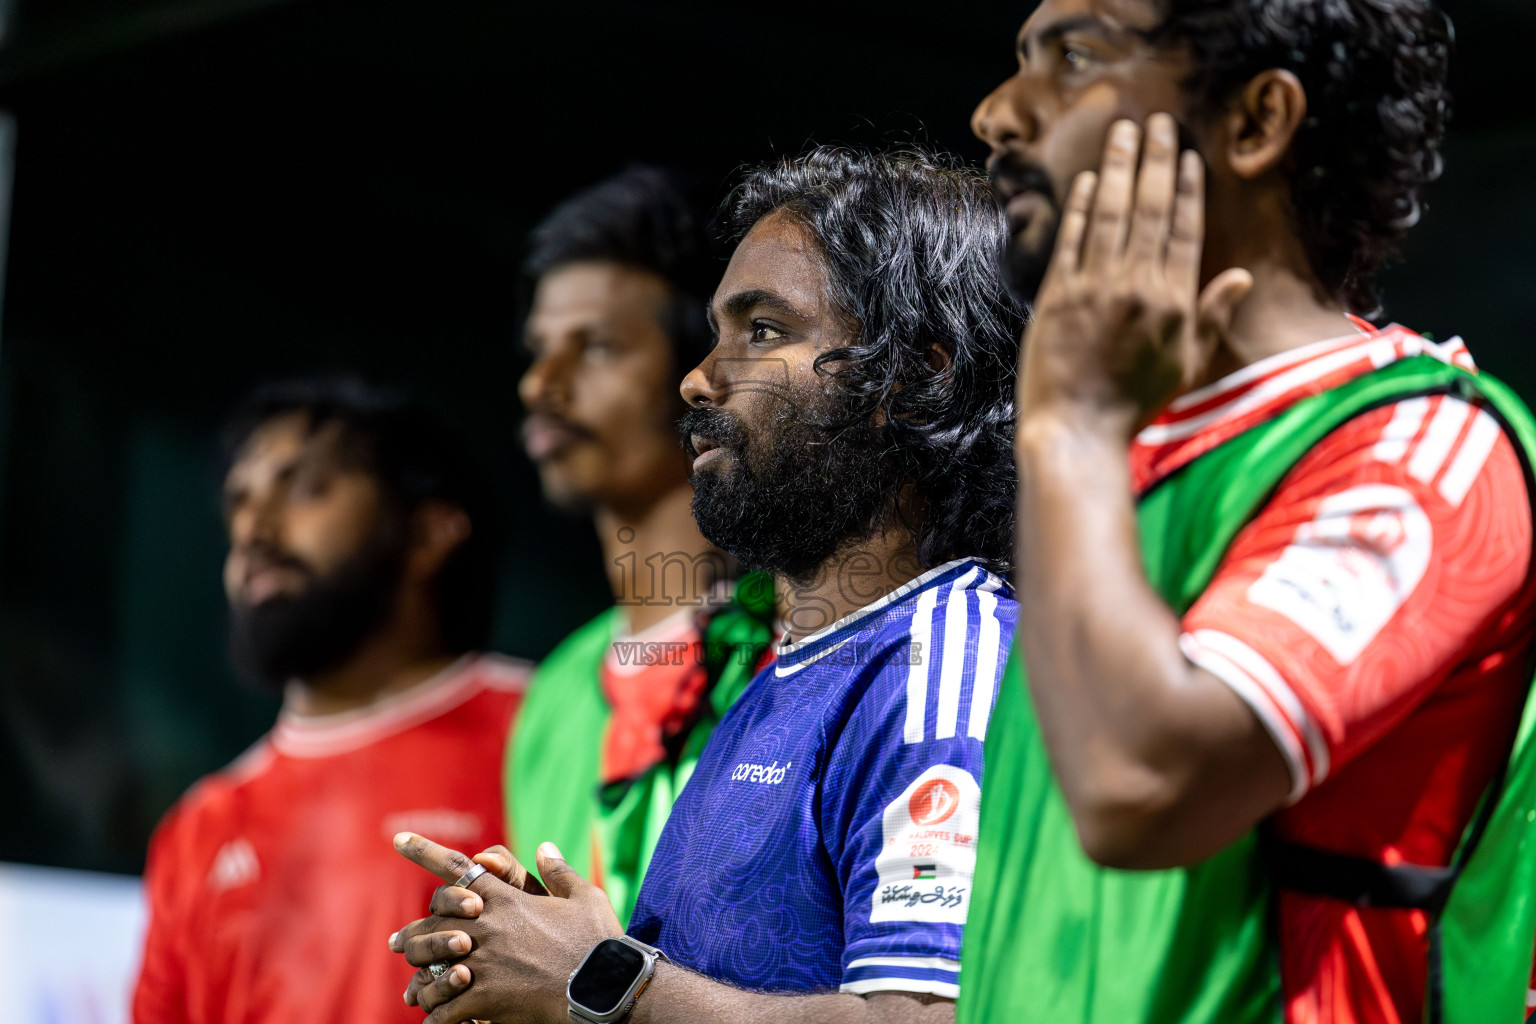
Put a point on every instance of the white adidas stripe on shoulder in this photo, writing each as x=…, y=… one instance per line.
x=1439, y=437
x=1450, y=448
x=1401, y=429
x=953, y=622
x=989, y=663
x=918, y=667
x=1470, y=458
x=957, y=621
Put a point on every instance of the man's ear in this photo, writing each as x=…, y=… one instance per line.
x=1263, y=121
x=437, y=530
x=939, y=360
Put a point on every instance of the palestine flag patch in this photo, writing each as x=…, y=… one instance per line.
x=924, y=870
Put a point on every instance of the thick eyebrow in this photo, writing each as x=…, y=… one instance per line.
x=738, y=304
x=1052, y=33
x=304, y=459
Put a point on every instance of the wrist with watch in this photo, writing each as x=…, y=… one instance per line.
x=604, y=986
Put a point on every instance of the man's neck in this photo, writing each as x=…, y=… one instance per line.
x=656, y=559
x=1283, y=311
x=857, y=576
x=391, y=661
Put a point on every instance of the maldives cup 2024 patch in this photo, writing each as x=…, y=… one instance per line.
x=928, y=858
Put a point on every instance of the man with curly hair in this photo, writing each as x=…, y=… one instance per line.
x=1274, y=561
x=851, y=434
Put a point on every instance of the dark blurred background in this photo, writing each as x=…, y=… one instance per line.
x=211, y=192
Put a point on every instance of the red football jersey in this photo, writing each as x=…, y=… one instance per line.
x=1377, y=616
x=273, y=886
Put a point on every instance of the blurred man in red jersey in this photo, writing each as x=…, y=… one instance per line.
x=360, y=580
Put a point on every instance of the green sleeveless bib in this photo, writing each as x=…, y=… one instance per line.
x=554, y=761
x=1055, y=938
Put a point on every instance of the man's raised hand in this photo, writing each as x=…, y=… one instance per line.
x=1121, y=323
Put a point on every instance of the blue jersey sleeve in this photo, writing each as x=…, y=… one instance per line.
x=902, y=795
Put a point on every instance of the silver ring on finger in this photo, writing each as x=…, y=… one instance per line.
x=438, y=969
x=469, y=876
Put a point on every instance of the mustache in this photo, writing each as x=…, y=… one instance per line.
x=1012, y=174
x=713, y=424
x=264, y=555
x=554, y=420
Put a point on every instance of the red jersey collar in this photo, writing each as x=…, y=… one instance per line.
x=1204, y=418
x=327, y=735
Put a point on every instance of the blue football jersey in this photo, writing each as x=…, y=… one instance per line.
x=827, y=838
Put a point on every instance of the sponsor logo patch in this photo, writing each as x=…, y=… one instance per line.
x=928, y=856
x=1347, y=572
x=934, y=801
x=765, y=774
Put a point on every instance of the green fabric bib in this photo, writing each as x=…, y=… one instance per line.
x=1059, y=939
x=554, y=762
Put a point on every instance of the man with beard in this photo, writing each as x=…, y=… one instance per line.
x=616, y=715
x=359, y=576
x=1275, y=563
x=851, y=434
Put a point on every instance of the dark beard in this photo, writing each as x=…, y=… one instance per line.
x=1024, y=271
x=788, y=501
x=292, y=636
x=1024, y=268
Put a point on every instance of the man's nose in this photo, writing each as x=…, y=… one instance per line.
x=546, y=383
x=1005, y=116
x=256, y=520
x=699, y=388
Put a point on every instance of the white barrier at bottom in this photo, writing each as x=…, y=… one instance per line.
x=91, y=925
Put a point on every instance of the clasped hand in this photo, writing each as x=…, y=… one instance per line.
x=513, y=942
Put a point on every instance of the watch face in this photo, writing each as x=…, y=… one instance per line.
x=604, y=979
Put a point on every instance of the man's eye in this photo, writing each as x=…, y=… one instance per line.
x=308, y=488
x=766, y=332
x=1075, y=59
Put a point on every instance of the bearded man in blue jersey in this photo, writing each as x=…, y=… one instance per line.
x=851, y=433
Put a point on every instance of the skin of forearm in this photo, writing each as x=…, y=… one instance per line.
x=1138, y=737
x=679, y=996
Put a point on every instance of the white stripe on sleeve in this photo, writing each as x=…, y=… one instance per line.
x=957, y=614
x=1402, y=428
x=864, y=986
x=920, y=663
x=1436, y=444
x=988, y=652
x=1268, y=705
x=1469, y=458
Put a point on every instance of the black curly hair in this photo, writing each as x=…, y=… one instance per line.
x=1377, y=103
x=913, y=242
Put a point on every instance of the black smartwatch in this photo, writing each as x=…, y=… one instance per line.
x=604, y=986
